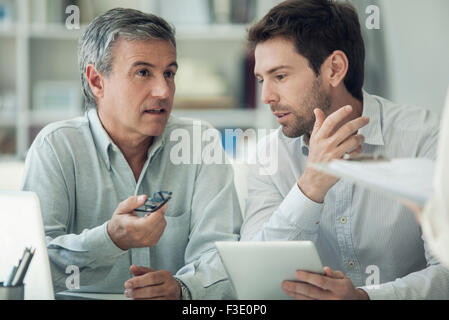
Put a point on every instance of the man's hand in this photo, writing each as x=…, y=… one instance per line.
x=329, y=142
x=415, y=208
x=127, y=230
x=332, y=286
x=150, y=284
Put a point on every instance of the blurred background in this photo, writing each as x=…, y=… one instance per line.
x=407, y=60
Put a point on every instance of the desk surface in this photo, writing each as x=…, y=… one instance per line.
x=67, y=295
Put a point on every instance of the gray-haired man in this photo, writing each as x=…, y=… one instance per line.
x=89, y=171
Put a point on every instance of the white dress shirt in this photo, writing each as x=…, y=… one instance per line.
x=435, y=218
x=375, y=241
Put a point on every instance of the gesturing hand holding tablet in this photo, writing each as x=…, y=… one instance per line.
x=258, y=269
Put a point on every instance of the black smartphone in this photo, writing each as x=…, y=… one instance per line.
x=156, y=202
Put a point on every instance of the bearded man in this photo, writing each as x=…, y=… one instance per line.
x=310, y=59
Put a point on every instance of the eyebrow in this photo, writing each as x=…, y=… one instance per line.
x=143, y=63
x=273, y=70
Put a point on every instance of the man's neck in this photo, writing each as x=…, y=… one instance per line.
x=134, y=151
x=133, y=146
x=345, y=99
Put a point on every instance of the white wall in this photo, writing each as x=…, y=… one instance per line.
x=417, y=45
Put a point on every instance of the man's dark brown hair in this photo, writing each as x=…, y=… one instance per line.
x=318, y=28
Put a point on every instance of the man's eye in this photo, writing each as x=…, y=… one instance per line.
x=169, y=74
x=143, y=73
x=280, y=76
x=259, y=81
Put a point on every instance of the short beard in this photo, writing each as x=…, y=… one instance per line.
x=302, y=125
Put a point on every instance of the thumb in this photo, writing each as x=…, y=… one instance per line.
x=130, y=204
x=319, y=119
x=139, y=270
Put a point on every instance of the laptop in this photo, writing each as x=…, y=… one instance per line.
x=21, y=226
x=257, y=269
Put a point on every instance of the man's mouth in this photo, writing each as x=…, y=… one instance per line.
x=155, y=111
x=280, y=115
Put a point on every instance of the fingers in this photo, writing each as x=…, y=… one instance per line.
x=146, y=231
x=351, y=146
x=156, y=215
x=301, y=289
x=317, y=280
x=319, y=119
x=295, y=295
x=155, y=285
x=161, y=210
x=348, y=129
x=154, y=219
x=130, y=204
x=154, y=224
x=151, y=278
x=333, y=274
x=355, y=153
x=127, y=230
x=154, y=298
x=153, y=292
x=412, y=206
x=333, y=120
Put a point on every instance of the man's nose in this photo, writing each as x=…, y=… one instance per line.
x=269, y=96
x=160, y=88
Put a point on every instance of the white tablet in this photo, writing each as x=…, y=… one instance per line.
x=257, y=269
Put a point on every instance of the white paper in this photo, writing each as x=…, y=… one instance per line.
x=402, y=178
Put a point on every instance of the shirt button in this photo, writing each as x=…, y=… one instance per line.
x=351, y=264
x=305, y=151
x=343, y=220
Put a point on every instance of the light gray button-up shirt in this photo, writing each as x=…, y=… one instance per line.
x=372, y=239
x=80, y=176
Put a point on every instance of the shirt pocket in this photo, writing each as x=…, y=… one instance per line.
x=177, y=220
x=176, y=214
x=173, y=242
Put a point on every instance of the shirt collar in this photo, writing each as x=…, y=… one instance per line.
x=104, y=143
x=373, y=130
x=158, y=143
x=100, y=136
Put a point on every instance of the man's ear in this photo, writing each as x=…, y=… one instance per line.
x=335, y=68
x=95, y=80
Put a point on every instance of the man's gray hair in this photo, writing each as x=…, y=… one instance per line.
x=96, y=43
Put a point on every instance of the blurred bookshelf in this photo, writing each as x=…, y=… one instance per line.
x=39, y=63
